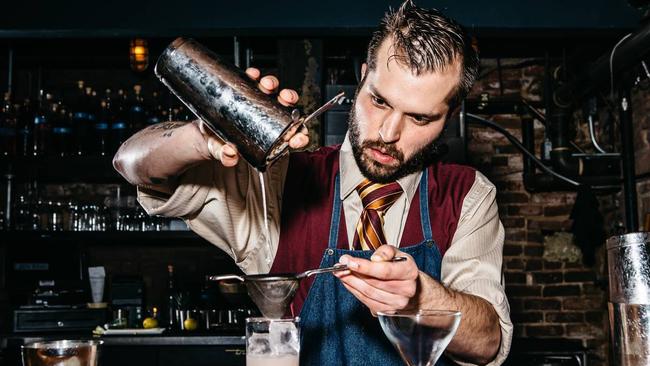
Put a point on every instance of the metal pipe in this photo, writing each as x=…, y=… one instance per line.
x=528, y=139
x=554, y=180
x=10, y=71
x=249, y=57
x=521, y=147
x=592, y=135
x=628, y=53
x=8, y=217
x=627, y=143
x=541, y=182
x=558, y=131
x=235, y=46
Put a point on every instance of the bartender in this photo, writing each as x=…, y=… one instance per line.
x=382, y=193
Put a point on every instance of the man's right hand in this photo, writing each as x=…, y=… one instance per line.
x=227, y=153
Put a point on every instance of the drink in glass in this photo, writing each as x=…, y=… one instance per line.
x=272, y=342
x=420, y=336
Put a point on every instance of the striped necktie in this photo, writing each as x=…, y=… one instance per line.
x=376, y=199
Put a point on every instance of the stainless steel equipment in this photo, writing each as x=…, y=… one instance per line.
x=61, y=353
x=628, y=259
x=229, y=102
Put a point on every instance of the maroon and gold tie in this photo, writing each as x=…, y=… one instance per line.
x=376, y=199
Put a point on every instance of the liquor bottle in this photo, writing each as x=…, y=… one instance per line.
x=25, y=129
x=102, y=124
x=137, y=117
x=7, y=127
x=79, y=118
x=93, y=109
x=185, y=114
x=171, y=298
x=154, y=110
x=61, y=130
x=119, y=127
x=42, y=126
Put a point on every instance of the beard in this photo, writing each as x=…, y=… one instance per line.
x=380, y=173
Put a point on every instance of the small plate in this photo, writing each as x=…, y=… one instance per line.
x=133, y=331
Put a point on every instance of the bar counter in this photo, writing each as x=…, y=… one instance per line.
x=144, y=350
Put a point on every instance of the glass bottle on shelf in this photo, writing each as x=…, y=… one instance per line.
x=42, y=125
x=62, y=131
x=7, y=127
x=154, y=110
x=184, y=113
x=25, y=129
x=22, y=214
x=137, y=116
x=29, y=208
x=119, y=130
x=79, y=118
x=101, y=145
x=171, y=298
x=92, y=108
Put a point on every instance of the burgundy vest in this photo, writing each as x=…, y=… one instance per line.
x=307, y=212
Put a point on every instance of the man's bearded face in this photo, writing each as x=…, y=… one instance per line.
x=382, y=173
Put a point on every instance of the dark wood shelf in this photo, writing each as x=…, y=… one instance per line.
x=103, y=237
x=63, y=169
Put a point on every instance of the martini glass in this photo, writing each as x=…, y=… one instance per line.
x=420, y=336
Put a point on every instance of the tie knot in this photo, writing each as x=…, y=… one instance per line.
x=378, y=196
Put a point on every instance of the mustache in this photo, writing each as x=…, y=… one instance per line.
x=385, y=148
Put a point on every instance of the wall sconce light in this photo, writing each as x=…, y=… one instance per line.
x=139, y=54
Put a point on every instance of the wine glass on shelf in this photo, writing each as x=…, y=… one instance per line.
x=420, y=335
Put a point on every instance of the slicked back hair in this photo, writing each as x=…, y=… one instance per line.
x=426, y=41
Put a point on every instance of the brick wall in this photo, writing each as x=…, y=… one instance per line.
x=552, y=293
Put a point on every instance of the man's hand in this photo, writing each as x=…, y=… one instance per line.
x=227, y=153
x=378, y=283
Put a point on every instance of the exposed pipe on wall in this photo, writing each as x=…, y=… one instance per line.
x=627, y=143
x=628, y=54
x=552, y=180
x=10, y=70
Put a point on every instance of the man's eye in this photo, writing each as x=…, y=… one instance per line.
x=421, y=120
x=378, y=101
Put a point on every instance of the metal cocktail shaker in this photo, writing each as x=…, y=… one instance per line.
x=228, y=101
x=628, y=258
x=230, y=104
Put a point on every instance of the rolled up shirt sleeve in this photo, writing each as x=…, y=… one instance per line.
x=473, y=262
x=225, y=206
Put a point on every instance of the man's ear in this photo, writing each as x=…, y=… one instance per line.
x=364, y=69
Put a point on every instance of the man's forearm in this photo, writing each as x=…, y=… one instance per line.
x=479, y=333
x=155, y=156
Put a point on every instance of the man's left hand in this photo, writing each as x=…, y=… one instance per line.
x=378, y=283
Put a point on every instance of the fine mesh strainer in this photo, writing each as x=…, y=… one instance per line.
x=272, y=293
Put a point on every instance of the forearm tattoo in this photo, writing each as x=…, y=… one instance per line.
x=167, y=127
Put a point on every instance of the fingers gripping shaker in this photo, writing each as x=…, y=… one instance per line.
x=229, y=102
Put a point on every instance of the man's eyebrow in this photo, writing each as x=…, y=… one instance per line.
x=376, y=93
x=424, y=116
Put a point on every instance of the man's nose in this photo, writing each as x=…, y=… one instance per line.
x=390, y=129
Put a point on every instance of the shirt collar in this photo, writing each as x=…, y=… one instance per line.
x=351, y=175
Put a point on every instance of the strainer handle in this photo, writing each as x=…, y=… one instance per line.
x=338, y=267
x=225, y=277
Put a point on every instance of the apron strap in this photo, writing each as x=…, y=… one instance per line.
x=424, y=206
x=336, y=214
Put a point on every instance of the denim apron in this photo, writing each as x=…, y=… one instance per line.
x=336, y=328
